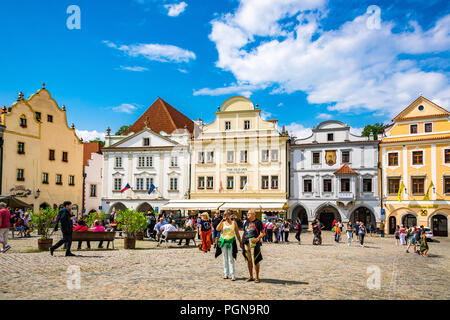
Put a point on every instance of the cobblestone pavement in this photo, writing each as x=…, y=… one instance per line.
x=289, y=271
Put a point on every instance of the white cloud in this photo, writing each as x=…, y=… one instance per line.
x=280, y=104
x=241, y=89
x=125, y=108
x=324, y=116
x=281, y=44
x=155, y=52
x=134, y=69
x=182, y=70
x=175, y=9
x=298, y=130
x=356, y=131
x=87, y=135
x=265, y=115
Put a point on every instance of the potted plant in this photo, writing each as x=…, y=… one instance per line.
x=43, y=221
x=90, y=219
x=131, y=222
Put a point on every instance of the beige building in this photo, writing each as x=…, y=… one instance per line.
x=238, y=162
x=42, y=156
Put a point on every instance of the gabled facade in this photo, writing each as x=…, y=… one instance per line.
x=334, y=176
x=42, y=156
x=93, y=175
x=415, y=153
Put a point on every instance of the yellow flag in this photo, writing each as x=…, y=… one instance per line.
x=427, y=195
x=400, y=190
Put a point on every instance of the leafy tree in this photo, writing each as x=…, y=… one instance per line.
x=122, y=130
x=102, y=143
x=376, y=129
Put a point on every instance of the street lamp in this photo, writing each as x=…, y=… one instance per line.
x=38, y=193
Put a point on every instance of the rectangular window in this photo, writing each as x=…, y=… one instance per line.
x=246, y=124
x=51, y=155
x=140, y=184
x=413, y=129
x=201, y=182
x=20, y=147
x=447, y=155
x=71, y=180
x=93, y=190
x=146, y=142
x=230, y=156
x=173, y=184
x=447, y=185
x=274, y=155
x=316, y=157
x=23, y=122
x=393, y=159
x=59, y=179
x=45, y=178
x=345, y=156
x=243, y=182
x=330, y=137
x=428, y=127
x=417, y=157
x=210, y=156
x=49, y=118
x=38, y=116
x=118, y=162
x=367, y=185
x=141, y=161
x=117, y=184
x=227, y=125
x=148, y=183
x=327, y=187
x=65, y=157
x=307, y=185
x=244, y=156
x=345, y=185
x=230, y=182
x=210, y=182
x=149, y=162
x=418, y=185
x=201, y=157
x=265, y=182
x=20, y=175
x=274, y=182
x=174, y=162
x=393, y=185
x=265, y=155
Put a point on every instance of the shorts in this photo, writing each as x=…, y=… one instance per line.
x=4, y=235
x=215, y=234
x=250, y=253
x=412, y=240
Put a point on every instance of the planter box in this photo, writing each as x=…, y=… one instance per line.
x=129, y=243
x=44, y=245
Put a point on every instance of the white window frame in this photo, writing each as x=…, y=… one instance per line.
x=118, y=162
x=249, y=124
x=173, y=184
x=414, y=124
x=174, y=161
x=423, y=158
x=227, y=125
x=265, y=155
x=242, y=153
x=230, y=179
x=117, y=184
x=272, y=153
x=230, y=159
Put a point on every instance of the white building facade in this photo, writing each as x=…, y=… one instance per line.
x=93, y=183
x=141, y=160
x=334, y=176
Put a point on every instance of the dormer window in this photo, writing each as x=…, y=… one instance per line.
x=23, y=121
x=146, y=142
x=330, y=137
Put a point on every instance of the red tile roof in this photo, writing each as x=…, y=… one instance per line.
x=161, y=116
x=88, y=149
x=345, y=169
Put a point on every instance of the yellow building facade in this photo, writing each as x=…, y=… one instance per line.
x=42, y=155
x=415, y=168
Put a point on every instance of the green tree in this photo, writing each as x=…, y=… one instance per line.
x=376, y=129
x=122, y=130
x=102, y=143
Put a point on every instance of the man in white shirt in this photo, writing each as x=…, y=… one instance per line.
x=166, y=228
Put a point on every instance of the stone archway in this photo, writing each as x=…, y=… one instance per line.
x=439, y=225
x=392, y=224
x=365, y=215
x=409, y=220
x=300, y=212
x=144, y=207
x=44, y=205
x=327, y=214
x=116, y=207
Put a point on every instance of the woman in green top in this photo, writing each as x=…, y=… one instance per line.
x=423, y=244
x=227, y=244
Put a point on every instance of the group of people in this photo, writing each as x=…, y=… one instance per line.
x=412, y=237
x=276, y=230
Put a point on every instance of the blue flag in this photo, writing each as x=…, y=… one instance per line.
x=152, y=188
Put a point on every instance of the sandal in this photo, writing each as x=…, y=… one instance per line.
x=225, y=277
x=249, y=279
x=233, y=279
x=256, y=280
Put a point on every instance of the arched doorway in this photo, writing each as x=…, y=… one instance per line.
x=300, y=212
x=144, y=207
x=117, y=206
x=439, y=225
x=392, y=224
x=409, y=220
x=365, y=215
x=44, y=205
x=326, y=215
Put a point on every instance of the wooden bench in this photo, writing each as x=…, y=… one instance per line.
x=94, y=236
x=178, y=235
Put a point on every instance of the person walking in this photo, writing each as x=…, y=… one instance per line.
x=357, y=230
x=298, y=229
x=65, y=218
x=215, y=233
x=205, y=232
x=317, y=231
x=397, y=235
x=227, y=244
x=280, y=230
x=275, y=230
x=402, y=234
x=362, y=233
x=412, y=239
x=251, y=245
x=269, y=228
x=423, y=245
x=286, y=228
x=350, y=230
x=5, y=216
x=382, y=226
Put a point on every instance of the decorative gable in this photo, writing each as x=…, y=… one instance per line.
x=421, y=108
x=145, y=139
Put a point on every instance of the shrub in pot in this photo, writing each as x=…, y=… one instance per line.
x=131, y=222
x=90, y=219
x=43, y=221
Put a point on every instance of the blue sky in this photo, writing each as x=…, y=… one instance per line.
x=301, y=61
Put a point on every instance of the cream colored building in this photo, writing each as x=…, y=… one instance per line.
x=42, y=156
x=238, y=162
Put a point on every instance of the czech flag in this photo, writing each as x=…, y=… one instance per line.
x=126, y=188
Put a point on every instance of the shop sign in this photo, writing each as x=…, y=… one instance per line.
x=424, y=212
